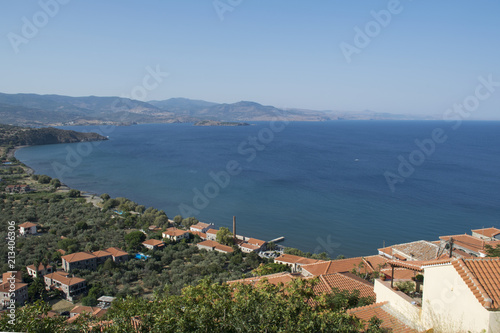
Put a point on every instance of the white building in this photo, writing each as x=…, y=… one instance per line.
x=201, y=227
x=27, y=228
x=459, y=295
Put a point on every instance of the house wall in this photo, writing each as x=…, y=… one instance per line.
x=399, y=302
x=212, y=237
x=203, y=247
x=449, y=305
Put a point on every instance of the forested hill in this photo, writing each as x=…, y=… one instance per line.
x=20, y=136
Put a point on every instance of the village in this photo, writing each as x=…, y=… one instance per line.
x=449, y=284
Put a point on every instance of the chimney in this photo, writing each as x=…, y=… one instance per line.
x=234, y=227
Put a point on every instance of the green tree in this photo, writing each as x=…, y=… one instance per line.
x=186, y=223
x=105, y=197
x=270, y=268
x=492, y=251
x=89, y=300
x=134, y=239
x=74, y=193
x=178, y=220
x=55, y=182
x=225, y=236
x=44, y=179
x=36, y=289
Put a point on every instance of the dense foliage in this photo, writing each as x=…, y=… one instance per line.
x=212, y=307
x=18, y=136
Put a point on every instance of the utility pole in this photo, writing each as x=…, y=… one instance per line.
x=451, y=246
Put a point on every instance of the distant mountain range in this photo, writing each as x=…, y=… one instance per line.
x=57, y=110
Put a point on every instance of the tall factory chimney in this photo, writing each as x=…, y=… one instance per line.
x=234, y=227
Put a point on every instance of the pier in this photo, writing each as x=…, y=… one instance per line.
x=277, y=240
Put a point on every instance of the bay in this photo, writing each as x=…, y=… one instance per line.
x=319, y=184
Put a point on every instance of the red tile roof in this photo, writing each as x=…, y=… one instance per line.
x=378, y=310
x=400, y=273
x=344, y=281
x=250, y=246
x=78, y=256
x=201, y=225
x=5, y=287
x=174, y=232
x=18, y=276
x=64, y=279
x=488, y=232
x=418, y=265
x=215, y=245
x=27, y=225
x=40, y=267
x=482, y=276
x=338, y=266
x=199, y=233
x=291, y=259
x=212, y=231
x=471, y=243
x=116, y=252
x=153, y=242
x=100, y=254
x=257, y=242
x=376, y=262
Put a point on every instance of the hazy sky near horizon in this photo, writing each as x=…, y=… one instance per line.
x=424, y=58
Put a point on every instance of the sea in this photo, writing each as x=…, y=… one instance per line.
x=340, y=187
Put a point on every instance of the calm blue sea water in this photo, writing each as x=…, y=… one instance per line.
x=321, y=185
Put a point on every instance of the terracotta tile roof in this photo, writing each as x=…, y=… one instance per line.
x=100, y=254
x=215, y=245
x=201, y=225
x=344, y=281
x=376, y=261
x=482, y=276
x=61, y=251
x=419, y=250
x=212, y=231
x=78, y=256
x=249, y=246
x=18, y=276
x=199, y=233
x=386, y=250
x=94, y=311
x=83, y=308
x=337, y=266
x=380, y=311
x=291, y=259
x=40, y=267
x=257, y=242
x=116, y=252
x=174, y=232
x=27, y=225
x=488, y=232
x=470, y=243
x=418, y=265
x=153, y=242
x=5, y=286
x=64, y=279
x=400, y=273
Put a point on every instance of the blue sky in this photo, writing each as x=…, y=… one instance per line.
x=282, y=53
